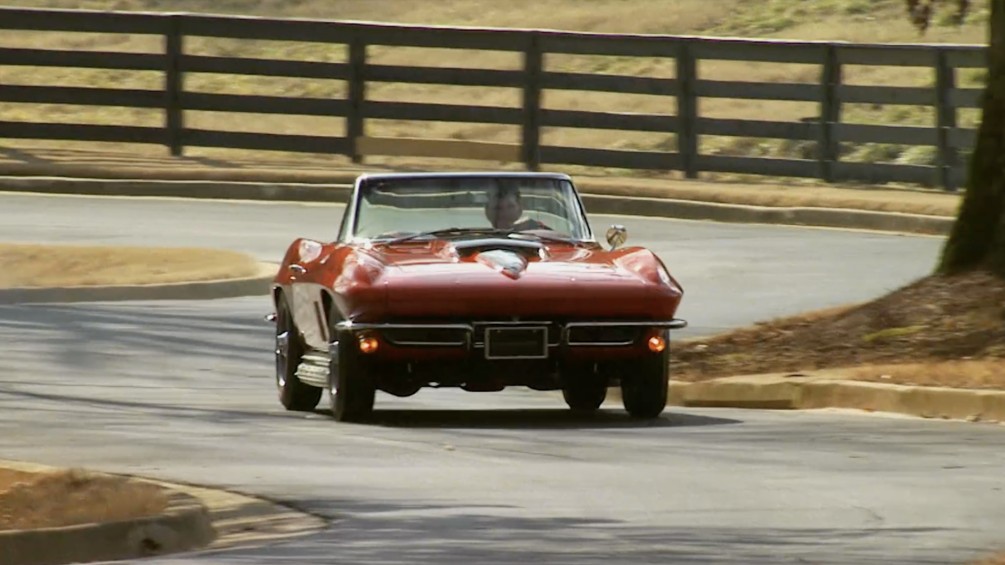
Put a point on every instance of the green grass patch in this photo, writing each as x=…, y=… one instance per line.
x=892, y=333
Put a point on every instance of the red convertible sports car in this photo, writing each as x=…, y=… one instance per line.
x=472, y=280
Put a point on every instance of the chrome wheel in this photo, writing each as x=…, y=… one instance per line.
x=293, y=394
x=282, y=355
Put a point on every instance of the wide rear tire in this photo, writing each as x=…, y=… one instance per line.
x=352, y=387
x=644, y=389
x=583, y=389
x=294, y=395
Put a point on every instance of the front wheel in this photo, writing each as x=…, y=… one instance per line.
x=644, y=389
x=583, y=389
x=293, y=394
x=351, y=385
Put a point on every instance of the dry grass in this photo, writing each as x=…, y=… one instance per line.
x=31, y=265
x=986, y=373
x=940, y=331
x=847, y=20
x=63, y=498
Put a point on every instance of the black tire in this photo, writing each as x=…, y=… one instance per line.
x=583, y=389
x=293, y=394
x=644, y=390
x=351, y=385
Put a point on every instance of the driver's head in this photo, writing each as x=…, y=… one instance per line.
x=503, y=207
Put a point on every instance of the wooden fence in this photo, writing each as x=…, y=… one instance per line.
x=825, y=130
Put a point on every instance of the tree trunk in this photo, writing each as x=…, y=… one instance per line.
x=978, y=236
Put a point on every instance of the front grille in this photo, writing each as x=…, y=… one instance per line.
x=555, y=333
x=516, y=342
x=601, y=335
x=426, y=337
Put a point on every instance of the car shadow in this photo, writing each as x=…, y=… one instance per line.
x=532, y=418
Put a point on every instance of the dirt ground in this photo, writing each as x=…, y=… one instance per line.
x=63, y=498
x=30, y=265
x=939, y=331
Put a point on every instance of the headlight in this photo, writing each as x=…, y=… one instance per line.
x=664, y=276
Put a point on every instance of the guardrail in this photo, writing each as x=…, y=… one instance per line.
x=686, y=88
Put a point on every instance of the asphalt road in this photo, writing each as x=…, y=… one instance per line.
x=732, y=274
x=182, y=391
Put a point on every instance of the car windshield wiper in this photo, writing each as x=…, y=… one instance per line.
x=447, y=232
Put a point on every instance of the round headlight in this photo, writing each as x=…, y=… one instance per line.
x=664, y=276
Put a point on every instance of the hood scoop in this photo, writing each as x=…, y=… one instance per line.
x=468, y=246
x=508, y=263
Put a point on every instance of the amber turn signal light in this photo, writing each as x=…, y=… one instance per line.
x=368, y=344
x=657, y=344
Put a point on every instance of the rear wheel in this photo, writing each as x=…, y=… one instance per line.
x=644, y=387
x=351, y=384
x=583, y=389
x=293, y=394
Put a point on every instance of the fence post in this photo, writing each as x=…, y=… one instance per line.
x=828, y=147
x=533, y=65
x=945, y=83
x=173, y=84
x=357, y=96
x=687, y=110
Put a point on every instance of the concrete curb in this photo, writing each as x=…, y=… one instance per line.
x=198, y=519
x=598, y=200
x=823, y=391
x=185, y=525
x=257, y=285
x=741, y=213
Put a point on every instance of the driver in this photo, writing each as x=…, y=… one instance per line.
x=504, y=210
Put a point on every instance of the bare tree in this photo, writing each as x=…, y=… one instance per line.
x=977, y=240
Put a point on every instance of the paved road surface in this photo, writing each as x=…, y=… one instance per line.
x=182, y=390
x=732, y=274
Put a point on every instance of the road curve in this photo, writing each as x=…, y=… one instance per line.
x=182, y=391
x=733, y=274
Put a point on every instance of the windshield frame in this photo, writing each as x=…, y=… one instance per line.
x=347, y=231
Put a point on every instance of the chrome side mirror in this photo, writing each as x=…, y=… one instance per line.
x=617, y=235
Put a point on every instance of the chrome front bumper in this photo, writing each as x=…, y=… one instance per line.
x=464, y=333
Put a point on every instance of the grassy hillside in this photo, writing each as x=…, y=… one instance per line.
x=849, y=20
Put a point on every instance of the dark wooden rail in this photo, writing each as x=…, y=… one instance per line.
x=687, y=88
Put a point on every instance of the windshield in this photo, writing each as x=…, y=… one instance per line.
x=403, y=207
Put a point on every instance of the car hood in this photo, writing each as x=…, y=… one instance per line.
x=514, y=278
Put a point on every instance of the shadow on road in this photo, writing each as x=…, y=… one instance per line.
x=536, y=418
x=386, y=533
x=81, y=336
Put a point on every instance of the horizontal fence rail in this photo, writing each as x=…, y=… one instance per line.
x=825, y=131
